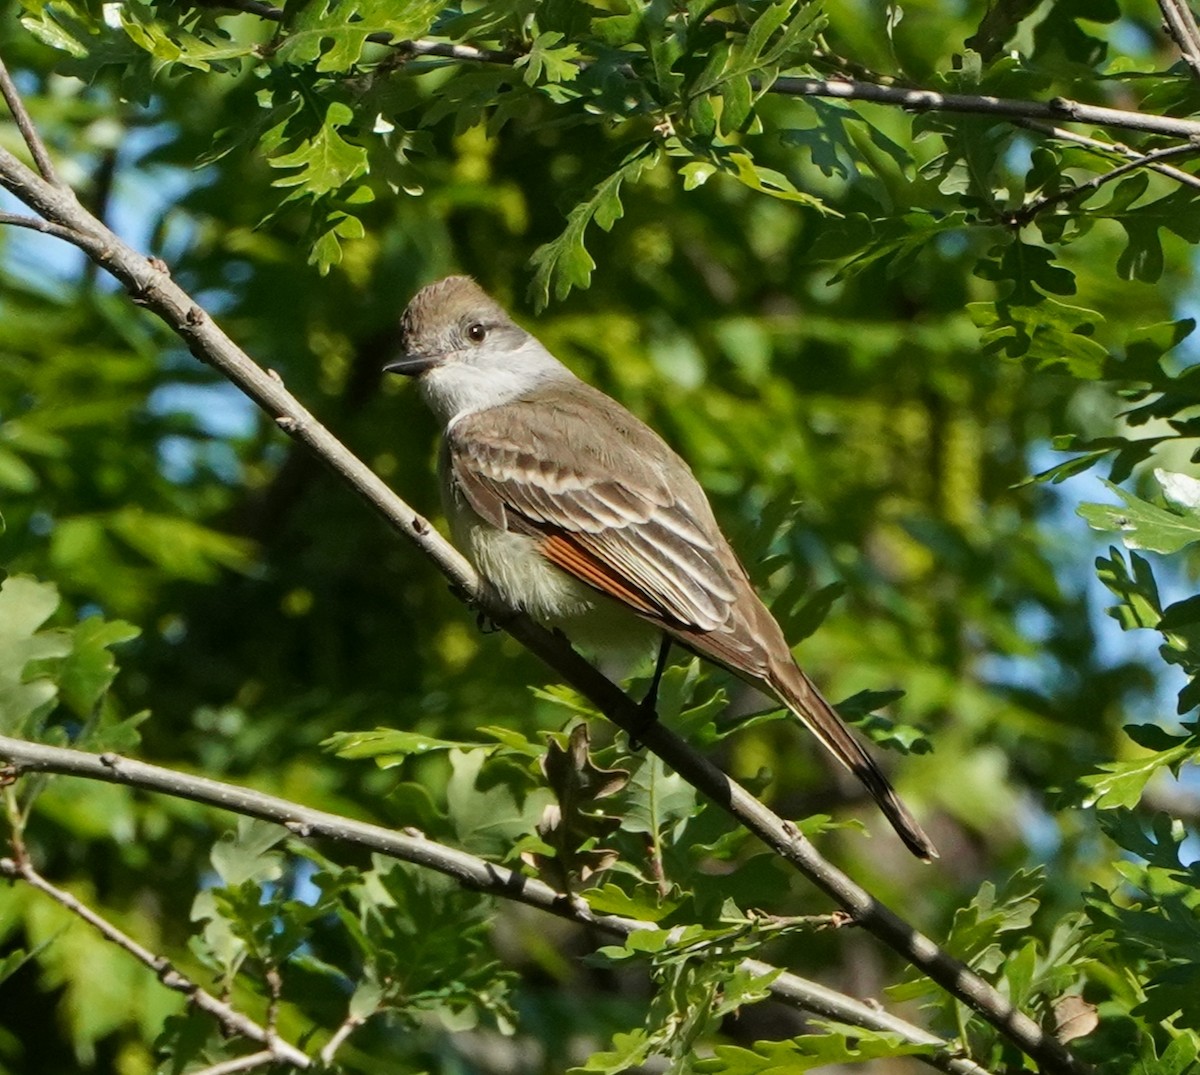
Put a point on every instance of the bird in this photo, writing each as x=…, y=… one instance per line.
x=575, y=511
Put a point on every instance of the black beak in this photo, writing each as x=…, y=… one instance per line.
x=411, y=365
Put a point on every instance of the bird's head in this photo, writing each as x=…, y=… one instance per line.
x=465, y=351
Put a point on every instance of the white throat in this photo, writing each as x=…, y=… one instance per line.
x=468, y=383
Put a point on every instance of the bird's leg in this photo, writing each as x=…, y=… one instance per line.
x=491, y=613
x=650, y=702
x=649, y=705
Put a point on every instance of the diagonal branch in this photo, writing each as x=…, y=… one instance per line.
x=1108, y=148
x=1180, y=23
x=1028, y=211
x=231, y=1020
x=469, y=871
x=150, y=285
x=29, y=133
x=239, y=1063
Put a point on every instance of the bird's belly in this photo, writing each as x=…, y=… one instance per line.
x=526, y=580
x=522, y=576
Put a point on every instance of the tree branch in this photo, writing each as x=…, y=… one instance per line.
x=231, y=1020
x=37, y=148
x=467, y=870
x=1028, y=211
x=239, y=1063
x=349, y=1025
x=1180, y=24
x=33, y=224
x=1059, y=109
x=1063, y=135
x=149, y=285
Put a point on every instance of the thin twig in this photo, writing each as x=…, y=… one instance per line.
x=1060, y=108
x=231, y=1020
x=275, y=988
x=37, y=148
x=1028, y=211
x=1109, y=148
x=1180, y=23
x=239, y=1063
x=351, y=1024
x=17, y=220
x=151, y=286
x=472, y=873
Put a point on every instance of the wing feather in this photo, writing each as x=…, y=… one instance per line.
x=615, y=506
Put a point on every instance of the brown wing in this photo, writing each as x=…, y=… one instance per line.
x=615, y=506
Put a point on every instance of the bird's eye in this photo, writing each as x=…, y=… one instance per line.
x=476, y=333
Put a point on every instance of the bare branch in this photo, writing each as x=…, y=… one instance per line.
x=33, y=140
x=150, y=285
x=1059, y=109
x=231, y=1020
x=473, y=873
x=1028, y=211
x=239, y=1063
x=1119, y=148
x=351, y=1024
x=1180, y=23
x=33, y=224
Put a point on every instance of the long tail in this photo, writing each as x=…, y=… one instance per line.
x=795, y=690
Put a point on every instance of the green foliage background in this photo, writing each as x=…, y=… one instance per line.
x=830, y=309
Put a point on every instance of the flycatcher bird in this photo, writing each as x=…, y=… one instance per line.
x=581, y=515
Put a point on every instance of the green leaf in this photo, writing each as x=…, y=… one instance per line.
x=860, y=708
x=179, y=546
x=645, y=904
x=769, y=181
x=388, y=746
x=1140, y=605
x=247, y=854
x=24, y=606
x=89, y=669
x=1178, y=1058
x=1121, y=783
x=655, y=800
x=326, y=161
x=564, y=263
x=544, y=60
x=1030, y=271
x=333, y=32
x=1049, y=336
x=628, y=1051
x=491, y=819
x=326, y=251
x=13, y=962
x=977, y=935
x=841, y=1045
x=1143, y=525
